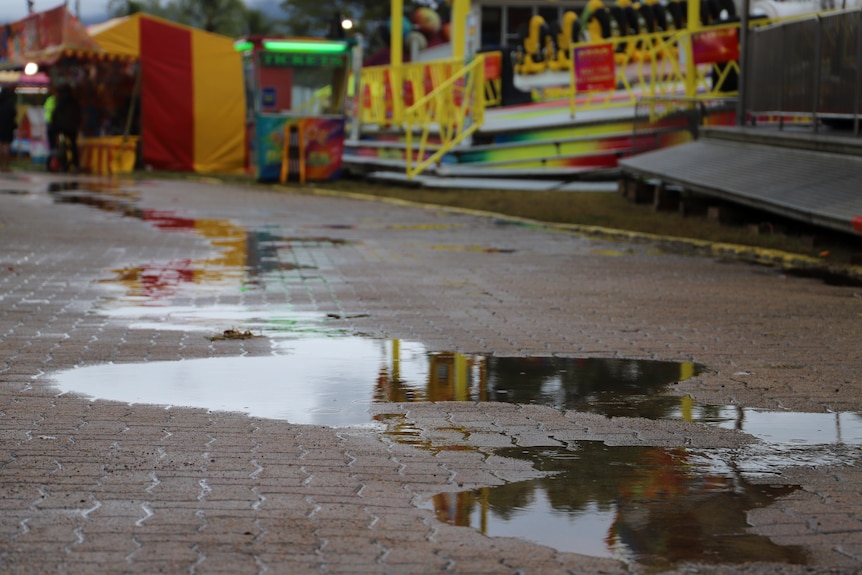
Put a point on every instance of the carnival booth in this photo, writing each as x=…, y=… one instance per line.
x=103, y=83
x=153, y=93
x=190, y=86
x=296, y=96
x=31, y=138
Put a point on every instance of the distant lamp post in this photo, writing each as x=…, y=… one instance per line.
x=348, y=26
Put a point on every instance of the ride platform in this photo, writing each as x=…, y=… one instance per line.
x=794, y=172
x=537, y=141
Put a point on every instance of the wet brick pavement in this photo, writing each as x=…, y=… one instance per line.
x=90, y=487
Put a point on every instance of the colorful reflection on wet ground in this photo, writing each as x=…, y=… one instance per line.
x=244, y=259
x=651, y=506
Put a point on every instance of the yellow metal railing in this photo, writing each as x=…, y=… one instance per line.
x=661, y=65
x=646, y=65
x=452, y=112
x=649, y=65
x=442, y=98
x=377, y=100
x=376, y=91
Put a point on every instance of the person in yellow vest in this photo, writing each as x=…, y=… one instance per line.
x=48, y=107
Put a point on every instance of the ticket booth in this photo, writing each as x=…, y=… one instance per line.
x=296, y=95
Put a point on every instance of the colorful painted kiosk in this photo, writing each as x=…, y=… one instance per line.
x=296, y=95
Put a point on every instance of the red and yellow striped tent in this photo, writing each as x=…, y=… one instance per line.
x=192, y=95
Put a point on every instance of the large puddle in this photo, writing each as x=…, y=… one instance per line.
x=651, y=506
x=333, y=380
x=656, y=507
x=318, y=375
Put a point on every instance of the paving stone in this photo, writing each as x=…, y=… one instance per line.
x=91, y=486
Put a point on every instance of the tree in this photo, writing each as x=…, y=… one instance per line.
x=220, y=16
x=312, y=17
x=228, y=17
x=117, y=8
x=258, y=23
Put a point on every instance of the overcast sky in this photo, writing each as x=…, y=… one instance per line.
x=91, y=10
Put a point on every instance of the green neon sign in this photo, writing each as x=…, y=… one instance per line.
x=305, y=47
x=286, y=60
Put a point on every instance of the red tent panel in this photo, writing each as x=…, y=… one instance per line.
x=167, y=90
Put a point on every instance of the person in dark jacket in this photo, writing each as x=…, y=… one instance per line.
x=66, y=121
x=8, y=124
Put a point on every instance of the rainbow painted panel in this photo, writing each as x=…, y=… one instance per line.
x=573, y=145
x=323, y=150
x=564, y=132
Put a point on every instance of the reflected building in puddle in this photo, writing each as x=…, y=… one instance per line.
x=651, y=506
x=609, y=386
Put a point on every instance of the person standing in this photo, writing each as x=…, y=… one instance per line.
x=66, y=121
x=8, y=124
x=48, y=107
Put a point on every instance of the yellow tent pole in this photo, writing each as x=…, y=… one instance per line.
x=693, y=25
x=396, y=58
x=460, y=11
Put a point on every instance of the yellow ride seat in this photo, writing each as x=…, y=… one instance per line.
x=628, y=25
x=655, y=15
x=678, y=10
x=659, y=15
x=598, y=21
x=533, y=42
x=567, y=34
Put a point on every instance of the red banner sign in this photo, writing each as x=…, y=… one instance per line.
x=595, y=68
x=711, y=46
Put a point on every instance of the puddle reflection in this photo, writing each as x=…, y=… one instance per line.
x=244, y=258
x=647, y=505
x=333, y=380
x=316, y=368
x=651, y=506
x=780, y=427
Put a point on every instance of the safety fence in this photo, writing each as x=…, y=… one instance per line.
x=612, y=72
x=807, y=70
x=449, y=114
